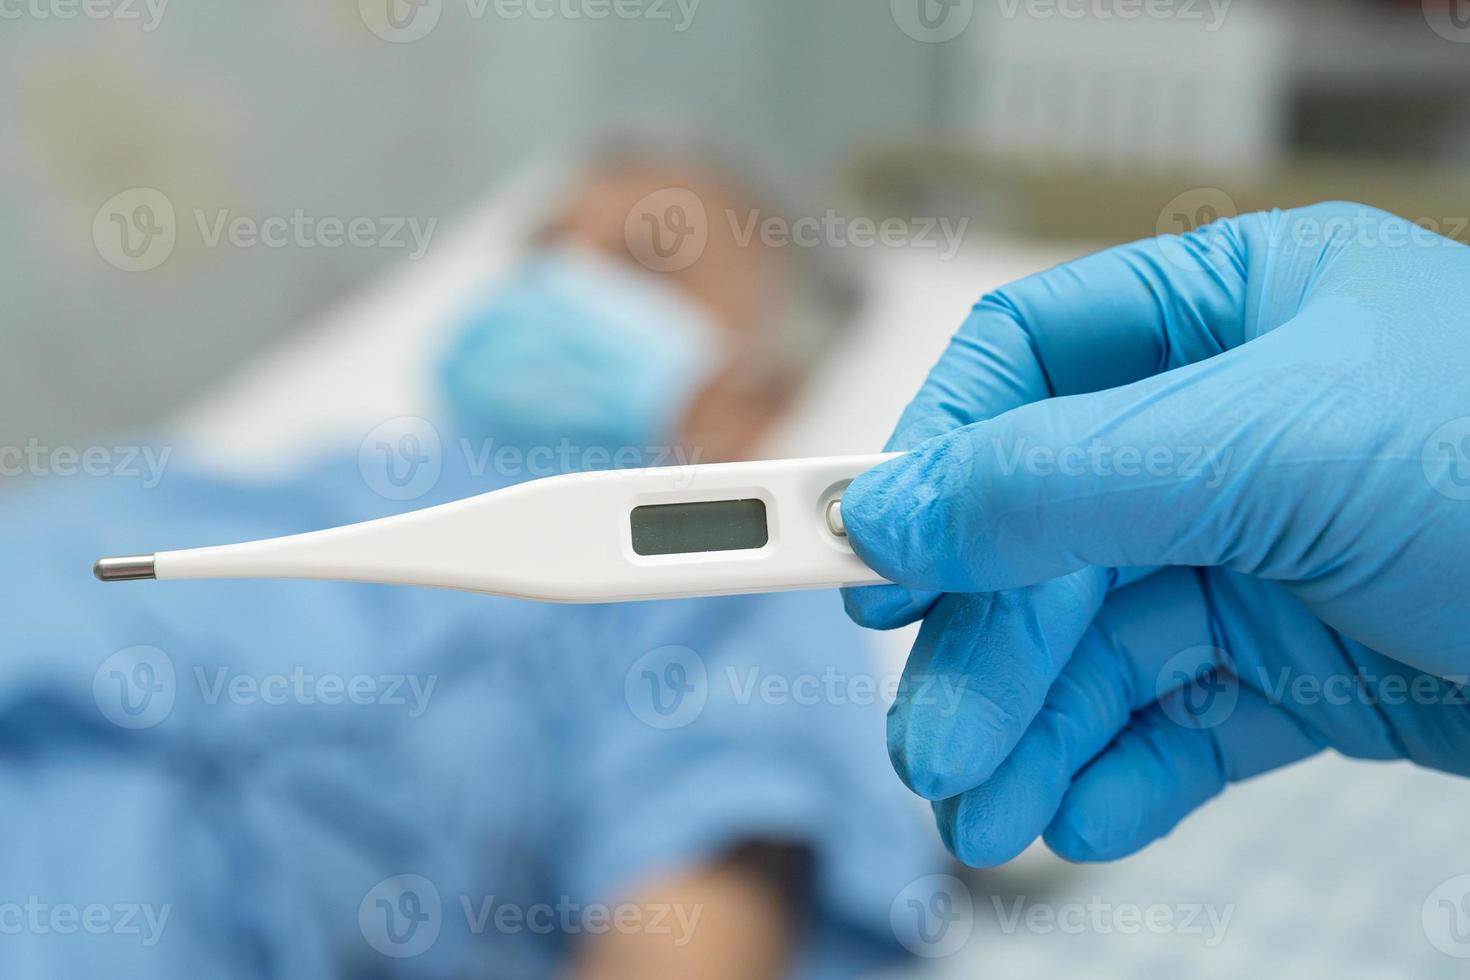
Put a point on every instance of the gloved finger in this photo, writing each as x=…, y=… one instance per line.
x=1167, y=634
x=886, y=607
x=978, y=674
x=1156, y=634
x=1159, y=770
x=1102, y=321
x=1192, y=467
x=891, y=607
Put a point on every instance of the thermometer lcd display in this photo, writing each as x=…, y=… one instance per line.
x=699, y=528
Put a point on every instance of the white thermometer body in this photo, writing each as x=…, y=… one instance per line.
x=614, y=536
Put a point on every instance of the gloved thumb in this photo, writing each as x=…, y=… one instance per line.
x=1212, y=464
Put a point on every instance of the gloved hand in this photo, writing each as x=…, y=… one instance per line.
x=1177, y=514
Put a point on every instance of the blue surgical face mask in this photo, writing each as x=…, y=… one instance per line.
x=578, y=349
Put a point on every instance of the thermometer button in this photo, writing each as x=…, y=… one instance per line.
x=834, y=518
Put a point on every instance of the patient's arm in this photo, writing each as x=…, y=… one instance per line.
x=737, y=918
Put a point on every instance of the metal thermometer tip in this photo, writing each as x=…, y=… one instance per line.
x=130, y=569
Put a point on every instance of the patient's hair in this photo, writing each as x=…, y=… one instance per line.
x=821, y=287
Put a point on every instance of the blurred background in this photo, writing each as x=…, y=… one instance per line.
x=1038, y=118
x=139, y=135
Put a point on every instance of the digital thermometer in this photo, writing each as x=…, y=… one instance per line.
x=614, y=536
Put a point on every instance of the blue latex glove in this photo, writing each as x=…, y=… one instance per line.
x=1274, y=409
